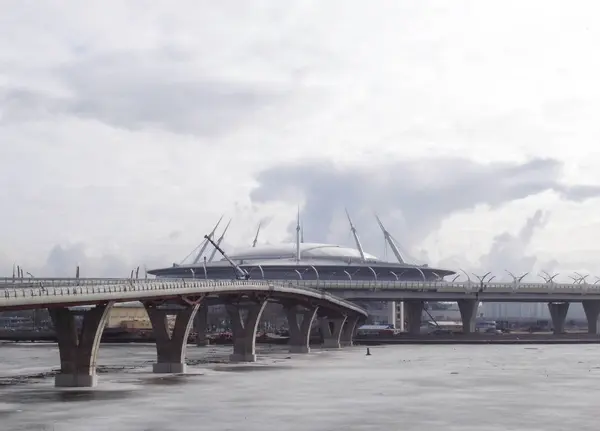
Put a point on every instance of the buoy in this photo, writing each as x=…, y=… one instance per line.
x=368, y=352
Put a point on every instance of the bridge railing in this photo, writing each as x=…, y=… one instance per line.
x=63, y=285
x=71, y=287
x=77, y=287
x=80, y=286
x=440, y=286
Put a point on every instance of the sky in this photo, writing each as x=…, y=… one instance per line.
x=128, y=128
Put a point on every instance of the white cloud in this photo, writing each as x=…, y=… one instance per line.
x=126, y=131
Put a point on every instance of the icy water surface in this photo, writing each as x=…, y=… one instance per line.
x=482, y=388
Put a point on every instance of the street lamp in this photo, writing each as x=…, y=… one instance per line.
x=547, y=277
x=482, y=280
x=516, y=279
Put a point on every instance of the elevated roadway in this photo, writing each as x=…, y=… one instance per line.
x=447, y=291
x=363, y=290
x=245, y=301
x=44, y=293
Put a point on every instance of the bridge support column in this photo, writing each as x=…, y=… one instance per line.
x=348, y=331
x=401, y=308
x=414, y=311
x=300, y=321
x=244, y=330
x=468, y=314
x=392, y=312
x=200, y=323
x=171, y=346
x=558, y=313
x=331, y=329
x=592, y=311
x=78, y=348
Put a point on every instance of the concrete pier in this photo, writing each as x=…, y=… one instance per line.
x=401, y=326
x=414, y=312
x=592, y=311
x=392, y=313
x=171, y=346
x=558, y=313
x=468, y=314
x=331, y=329
x=244, y=329
x=78, y=349
x=348, y=331
x=200, y=324
x=300, y=321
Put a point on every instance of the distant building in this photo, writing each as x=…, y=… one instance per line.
x=443, y=325
x=130, y=315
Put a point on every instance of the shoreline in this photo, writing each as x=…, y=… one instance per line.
x=482, y=339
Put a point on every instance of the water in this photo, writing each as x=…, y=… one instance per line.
x=492, y=388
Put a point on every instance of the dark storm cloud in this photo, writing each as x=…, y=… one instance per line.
x=143, y=89
x=412, y=196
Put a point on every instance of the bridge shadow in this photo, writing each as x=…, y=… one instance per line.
x=251, y=368
x=170, y=379
x=37, y=396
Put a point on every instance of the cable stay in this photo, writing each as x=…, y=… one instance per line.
x=241, y=273
x=205, y=243
x=219, y=241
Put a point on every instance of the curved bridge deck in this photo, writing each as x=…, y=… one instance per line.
x=245, y=302
x=49, y=292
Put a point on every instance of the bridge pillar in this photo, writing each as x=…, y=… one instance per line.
x=331, y=329
x=244, y=330
x=300, y=321
x=558, y=313
x=468, y=314
x=414, y=312
x=401, y=308
x=392, y=312
x=348, y=331
x=171, y=345
x=592, y=311
x=200, y=323
x=78, y=348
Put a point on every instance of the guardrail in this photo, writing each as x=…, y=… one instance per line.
x=62, y=282
x=454, y=287
x=434, y=286
x=128, y=289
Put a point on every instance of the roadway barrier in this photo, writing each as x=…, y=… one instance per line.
x=62, y=286
x=55, y=290
x=455, y=287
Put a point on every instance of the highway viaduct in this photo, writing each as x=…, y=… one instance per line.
x=468, y=295
x=245, y=301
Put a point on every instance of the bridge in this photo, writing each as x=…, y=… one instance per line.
x=244, y=300
x=328, y=302
x=468, y=295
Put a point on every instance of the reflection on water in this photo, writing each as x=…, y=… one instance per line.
x=421, y=388
x=36, y=396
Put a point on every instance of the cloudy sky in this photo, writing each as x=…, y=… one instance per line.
x=127, y=128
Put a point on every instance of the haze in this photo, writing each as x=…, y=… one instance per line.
x=128, y=128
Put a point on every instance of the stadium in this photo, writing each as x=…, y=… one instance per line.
x=306, y=261
x=299, y=261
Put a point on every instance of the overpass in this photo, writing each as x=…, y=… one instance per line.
x=245, y=301
x=468, y=295
x=454, y=291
